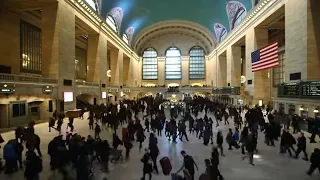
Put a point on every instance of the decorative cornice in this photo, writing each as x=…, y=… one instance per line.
x=258, y=11
x=193, y=28
x=85, y=9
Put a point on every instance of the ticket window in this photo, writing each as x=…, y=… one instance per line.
x=292, y=109
x=281, y=108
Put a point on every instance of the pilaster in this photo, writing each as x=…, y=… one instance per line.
x=185, y=70
x=161, y=71
x=97, y=58
x=58, y=45
x=221, y=71
x=234, y=65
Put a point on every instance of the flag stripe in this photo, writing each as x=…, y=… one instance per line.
x=266, y=67
x=265, y=63
x=265, y=58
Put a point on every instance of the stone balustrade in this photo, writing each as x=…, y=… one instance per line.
x=12, y=78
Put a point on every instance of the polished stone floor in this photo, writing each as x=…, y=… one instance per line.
x=269, y=164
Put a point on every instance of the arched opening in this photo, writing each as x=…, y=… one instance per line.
x=173, y=64
x=240, y=15
x=125, y=38
x=112, y=23
x=197, y=63
x=150, y=64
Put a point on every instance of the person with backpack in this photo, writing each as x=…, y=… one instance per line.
x=33, y=165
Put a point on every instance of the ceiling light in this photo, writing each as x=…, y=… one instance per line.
x=5, y=85
x=301, y=109
x=316, y=111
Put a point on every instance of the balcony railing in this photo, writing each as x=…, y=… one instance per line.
x=26, y=79
x=88, y=84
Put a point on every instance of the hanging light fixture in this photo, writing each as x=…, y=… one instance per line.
x=301, y=108
x=316, y=110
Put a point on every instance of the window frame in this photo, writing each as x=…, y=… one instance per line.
x=223, y=34
x=125, y=38
x=241, y=13
x=281, y=72
x=154, y=60
x=21, y=109
x=30, y=48
x=112, y=23
x=180, y=63
x=198, y=57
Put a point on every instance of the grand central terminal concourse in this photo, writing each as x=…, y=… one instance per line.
x=160, y=89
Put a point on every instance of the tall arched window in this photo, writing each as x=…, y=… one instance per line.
x=197, y=63
x=173, y=63
x=111, y=22
x=125, y=38
x=150, y=64
x=241, y=14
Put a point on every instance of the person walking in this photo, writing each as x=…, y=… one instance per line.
x=302, y=146
x=189, y=164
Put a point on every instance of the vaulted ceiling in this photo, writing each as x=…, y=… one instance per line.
x=139, y=14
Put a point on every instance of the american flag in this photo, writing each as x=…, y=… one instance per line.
x=265, y=58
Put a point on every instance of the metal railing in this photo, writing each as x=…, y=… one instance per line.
x=90, y=84
x=26, y=79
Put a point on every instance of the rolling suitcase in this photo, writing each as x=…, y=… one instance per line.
x=166, y=165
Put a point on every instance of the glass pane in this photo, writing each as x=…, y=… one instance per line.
x=173, y=63
x=196, y=63
x=150, y=64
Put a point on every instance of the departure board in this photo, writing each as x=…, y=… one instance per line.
x=291, y=90
x=310, y=89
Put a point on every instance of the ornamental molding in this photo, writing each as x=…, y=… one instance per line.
x=178, y=26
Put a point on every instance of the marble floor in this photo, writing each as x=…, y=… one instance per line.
x=269, y=164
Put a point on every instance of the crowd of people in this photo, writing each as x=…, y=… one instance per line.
x=146, y=117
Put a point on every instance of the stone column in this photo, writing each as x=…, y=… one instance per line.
x=234, y=65
x=97, y=61
x=126, y=71
x=58, y=47
x=257, y=38
x=97, y=58
x=185, y=70
x=116, y=67
x=221, y=71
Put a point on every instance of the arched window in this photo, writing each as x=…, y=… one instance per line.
x=150, y=64
x=125, y=38
x=236, y=13
x=173, y=63
x=112, y=23
x=196, y=63
x=241, y=14
x=221, y=31
x=223, y=35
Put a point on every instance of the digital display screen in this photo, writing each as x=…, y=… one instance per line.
x=104, y=95
x=68, y=96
